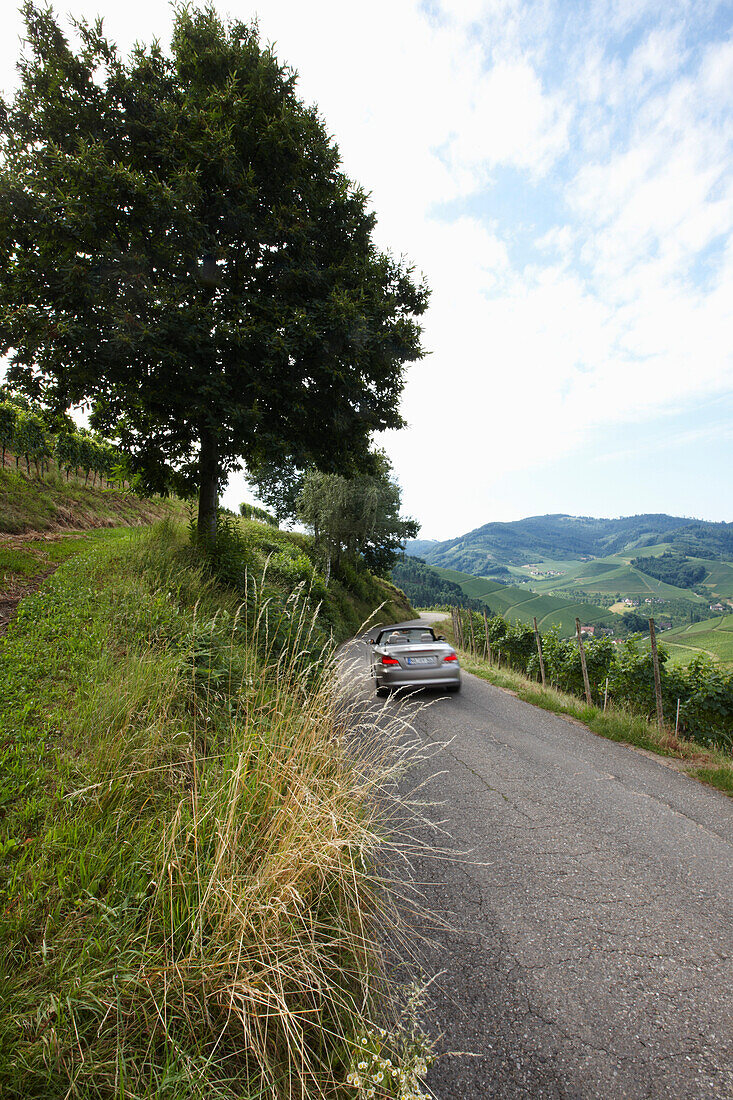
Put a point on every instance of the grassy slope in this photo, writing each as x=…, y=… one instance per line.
x=23, y=563
x=187, y=901
x=524, y=603
x=719, y=577
x=605, y=576
x=32, y=504
x=713, y=637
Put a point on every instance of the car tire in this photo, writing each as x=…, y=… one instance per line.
x=382, y=692
x=453, y=688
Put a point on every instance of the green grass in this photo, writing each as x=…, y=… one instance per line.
x=188, y=902
x=20, y=563
x=52, y=503
x=721, y=777
x=713, y=637
x=719, y=577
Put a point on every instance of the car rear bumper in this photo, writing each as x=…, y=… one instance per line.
x=439, y=676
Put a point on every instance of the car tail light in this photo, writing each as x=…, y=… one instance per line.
x=389, y=661
x=450, y=657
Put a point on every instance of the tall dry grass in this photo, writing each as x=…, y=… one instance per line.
x=215, y=929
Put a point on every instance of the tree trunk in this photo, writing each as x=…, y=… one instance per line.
x=208, y=487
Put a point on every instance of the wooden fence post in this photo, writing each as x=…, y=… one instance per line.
x=473, y=637
x=657, y=678
x=586, y=682
x=539, y=650
x=486, y=636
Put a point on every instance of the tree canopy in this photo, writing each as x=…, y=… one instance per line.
x=180, y=248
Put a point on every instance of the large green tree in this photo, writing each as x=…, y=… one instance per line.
x=180, y=249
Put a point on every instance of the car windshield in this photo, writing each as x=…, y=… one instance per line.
x=406, y=636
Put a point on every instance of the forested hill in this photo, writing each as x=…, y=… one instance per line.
x=561, y=536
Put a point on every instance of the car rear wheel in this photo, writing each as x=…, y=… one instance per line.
x=382, y=692
x=454, y=688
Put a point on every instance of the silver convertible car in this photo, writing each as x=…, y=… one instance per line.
x=405, y=656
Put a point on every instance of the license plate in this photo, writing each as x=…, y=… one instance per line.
x=420, y=660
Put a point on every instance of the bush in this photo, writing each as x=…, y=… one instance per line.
x=706, y=710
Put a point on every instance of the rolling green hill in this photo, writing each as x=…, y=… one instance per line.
x=523, y=603
x=713, y=637
x=606, y=563
x=563, y=537
x=605, y=576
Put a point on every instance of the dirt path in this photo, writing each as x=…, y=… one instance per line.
x=12, y=594
x=9, y=603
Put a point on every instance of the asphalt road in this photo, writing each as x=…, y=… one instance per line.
x=582, y=935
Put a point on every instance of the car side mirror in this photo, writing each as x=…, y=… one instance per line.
x=372, y=641
x=440, y=638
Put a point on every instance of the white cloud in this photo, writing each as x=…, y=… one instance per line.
x=511, y=121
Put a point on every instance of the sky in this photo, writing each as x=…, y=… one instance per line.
x=560, y=172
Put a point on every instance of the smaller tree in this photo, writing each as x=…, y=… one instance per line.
x=31, y=440
x=359, y=516
x=8, y=417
